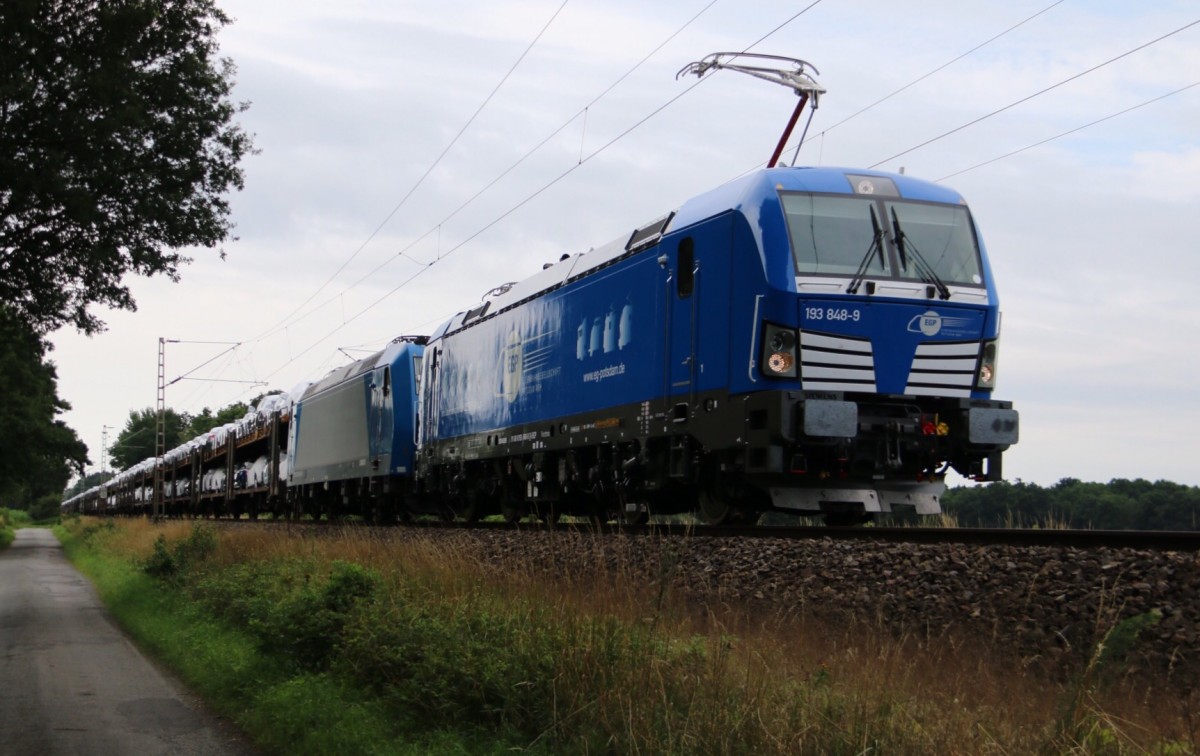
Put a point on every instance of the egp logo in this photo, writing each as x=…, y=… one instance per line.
x=512, y=357
x=931, y=323
x=928, y=323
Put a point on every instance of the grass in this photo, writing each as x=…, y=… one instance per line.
x=10, y=521
x=359, y=643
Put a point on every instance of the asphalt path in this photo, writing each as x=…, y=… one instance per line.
x=72, y=683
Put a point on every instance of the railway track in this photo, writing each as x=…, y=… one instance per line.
x=1184, y=541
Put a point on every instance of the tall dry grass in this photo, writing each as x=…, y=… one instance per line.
x=604, y=660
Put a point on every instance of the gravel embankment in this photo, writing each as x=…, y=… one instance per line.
x=1048, y=605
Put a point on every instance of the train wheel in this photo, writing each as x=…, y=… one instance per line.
x=597, y=508
x=631, y=513
x=715, y=509
x=640, y=517
x=549, y=514
x=510, y=510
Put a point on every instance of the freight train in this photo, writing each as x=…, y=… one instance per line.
x=814, y=340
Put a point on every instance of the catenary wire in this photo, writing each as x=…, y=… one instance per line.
x=1110, y=116
x=421, y=180
x=527, y=199
x=1040, y=92
x=404, y=252
x=947, y=64
x=912, y=83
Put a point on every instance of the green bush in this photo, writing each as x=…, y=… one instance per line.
x=439, y=665
x=288, y=606
x=46, y=508
x=17, y=518
x=172, y=563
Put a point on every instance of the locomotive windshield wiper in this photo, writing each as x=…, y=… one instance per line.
x=904, y=246
x=876, y=244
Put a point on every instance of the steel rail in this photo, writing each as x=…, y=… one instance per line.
x=1145, y=540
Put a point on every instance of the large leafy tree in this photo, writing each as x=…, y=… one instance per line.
x=117, y=149
x=206, y=420
x=38, y=452
x=136, y=441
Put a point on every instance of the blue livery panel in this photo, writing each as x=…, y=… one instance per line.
x=358, y=421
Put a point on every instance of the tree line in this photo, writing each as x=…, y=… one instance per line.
x=1120, y=504
x=118, y=149
x=135, y=442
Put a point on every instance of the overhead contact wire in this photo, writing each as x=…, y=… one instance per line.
x=403, y=252
x=1040, y=92
x=1071, y=131
x=538, y=192
x=424, y=176
x=947, y=64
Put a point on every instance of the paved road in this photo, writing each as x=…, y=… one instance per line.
x=71, y=683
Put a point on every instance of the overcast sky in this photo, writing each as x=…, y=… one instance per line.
x=1092, y=235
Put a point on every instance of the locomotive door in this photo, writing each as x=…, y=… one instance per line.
x=697, y=297
x=381, y=417
x=681, y=316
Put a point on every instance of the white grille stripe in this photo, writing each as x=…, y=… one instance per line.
x=827, y=373
x=834, y=363
x=940, y=379
x=818, y=357
x=837, y=386
x=821, y=341
x=929, y=376
x=967, y=365
x=958, y=349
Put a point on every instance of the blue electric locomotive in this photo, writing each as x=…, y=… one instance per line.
x=351, y=441
x=813, y=340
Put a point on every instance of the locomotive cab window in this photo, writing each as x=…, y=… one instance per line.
x=685, y=278
x=832, y=235
x=938, y=235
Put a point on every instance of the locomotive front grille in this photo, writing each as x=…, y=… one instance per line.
x=836, y=363
x=943, y=369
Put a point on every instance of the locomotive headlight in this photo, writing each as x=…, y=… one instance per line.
x=986, y=376
x=780, y=362
x=779, y=352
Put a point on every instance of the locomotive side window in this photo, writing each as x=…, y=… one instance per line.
x=685, y=278
x=831, y=235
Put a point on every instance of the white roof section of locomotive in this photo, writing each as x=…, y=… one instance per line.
x=337, y=376
x=551, y=277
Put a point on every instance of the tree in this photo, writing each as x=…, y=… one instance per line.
x=136, y=441
x=37, y=450
x=87, y=482
x=206, y=420
x=117, y=148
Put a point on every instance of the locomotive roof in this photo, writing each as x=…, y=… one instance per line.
x=747, y=194
x=752, y=190
x=387, y=356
